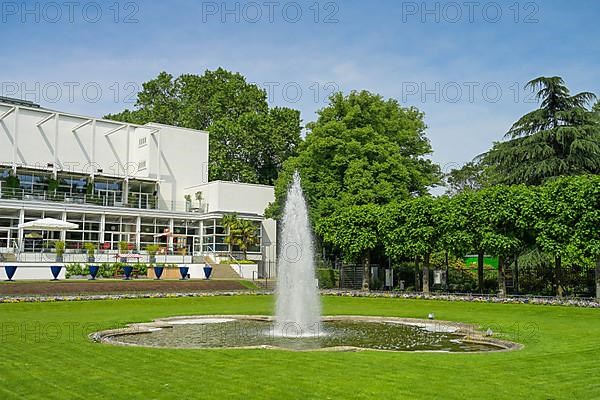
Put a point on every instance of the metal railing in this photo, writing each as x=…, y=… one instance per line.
x=134, y=201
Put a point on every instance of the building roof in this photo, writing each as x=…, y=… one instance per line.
x=18, y=102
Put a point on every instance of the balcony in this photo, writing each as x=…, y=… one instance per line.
x=140, y=201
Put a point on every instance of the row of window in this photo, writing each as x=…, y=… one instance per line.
x=185, y=234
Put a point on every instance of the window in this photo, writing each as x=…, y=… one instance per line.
x=142, y=164
x=142, y=142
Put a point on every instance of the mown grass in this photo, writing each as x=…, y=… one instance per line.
x=45, y=354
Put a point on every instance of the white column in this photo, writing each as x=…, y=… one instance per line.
x=170, y=237
x=63, y=234
x=93, y=148
x=101, y=230
x=20, y=234
x=55, y=162
x=138, y=229
x=16, y=140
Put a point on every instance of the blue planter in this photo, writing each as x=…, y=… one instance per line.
x=127, y=271
x=10, y=271
x=207, y=272
x=183, y=271
x=94, y=271
x=158, y=271
x=55, y=269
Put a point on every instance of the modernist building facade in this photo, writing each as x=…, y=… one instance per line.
x=119, y=182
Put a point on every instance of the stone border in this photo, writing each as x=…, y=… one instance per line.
x=479, y=298
x=553, y=301
x=470, y=333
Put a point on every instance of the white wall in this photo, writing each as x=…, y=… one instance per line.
x=29, y=272
x=183, y=161
x=243, y=198
x=238, y=197
x=59, y=141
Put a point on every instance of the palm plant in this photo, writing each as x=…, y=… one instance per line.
x=230, y=222
x=245, y=236
x=240, y=232
x=562, y=137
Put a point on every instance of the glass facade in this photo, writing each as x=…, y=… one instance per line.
x=214, y=235
x=39, y=184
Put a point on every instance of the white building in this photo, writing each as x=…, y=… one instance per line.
x=141, y=184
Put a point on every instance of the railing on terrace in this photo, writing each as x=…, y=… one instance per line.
x=134, y=201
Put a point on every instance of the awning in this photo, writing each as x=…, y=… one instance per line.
x=48, y=224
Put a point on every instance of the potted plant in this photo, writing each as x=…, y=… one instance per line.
x=91, y=250
x=59, y=247
x=55, y=269
x=158, y=270
x=152, y=249
x=10, y=271
x=93, y=271
x=123, y=249
x=184, y=271
x=127, y=270
x=199, y=198
x=207, y=271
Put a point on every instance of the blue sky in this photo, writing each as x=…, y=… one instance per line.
x=463, y=63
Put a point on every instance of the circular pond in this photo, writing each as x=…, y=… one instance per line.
x=335, y=333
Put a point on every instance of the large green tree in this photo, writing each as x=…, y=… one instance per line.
x=248, y=141
x=362, y=150
x=354, y=231
x=414, y=229
x=562, y=137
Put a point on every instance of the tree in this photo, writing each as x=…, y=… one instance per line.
x=245, y=236
x=585, y=242
x=414, y=229
x=240, y=232
x=248, y=141
x=361, y=150
x=562, y=137
x=509, y=216
x=466, y=226
x=353, y=230
x=470, y=176
x=557, y=210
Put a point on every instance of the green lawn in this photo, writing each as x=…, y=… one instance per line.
x=45, y=354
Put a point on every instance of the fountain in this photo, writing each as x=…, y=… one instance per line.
x=297, y=324
x=298, y=310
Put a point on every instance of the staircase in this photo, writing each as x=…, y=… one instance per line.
x=221, y=271
x=8, y=257
x=266, y=284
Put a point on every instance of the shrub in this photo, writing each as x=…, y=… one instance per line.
x=75, y=269
x=328, y=278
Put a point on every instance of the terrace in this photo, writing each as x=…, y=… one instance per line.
x=42, y=184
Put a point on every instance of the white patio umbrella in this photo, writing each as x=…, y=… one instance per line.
x=48, y=224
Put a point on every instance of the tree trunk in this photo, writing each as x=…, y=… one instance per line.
x=501, y=277
x=598, y=279
x=516, y=275
x=480, y=271
x=426, y=273
x=366, y=279
x=447, y=281
x=417, y=276
x=558, y=276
